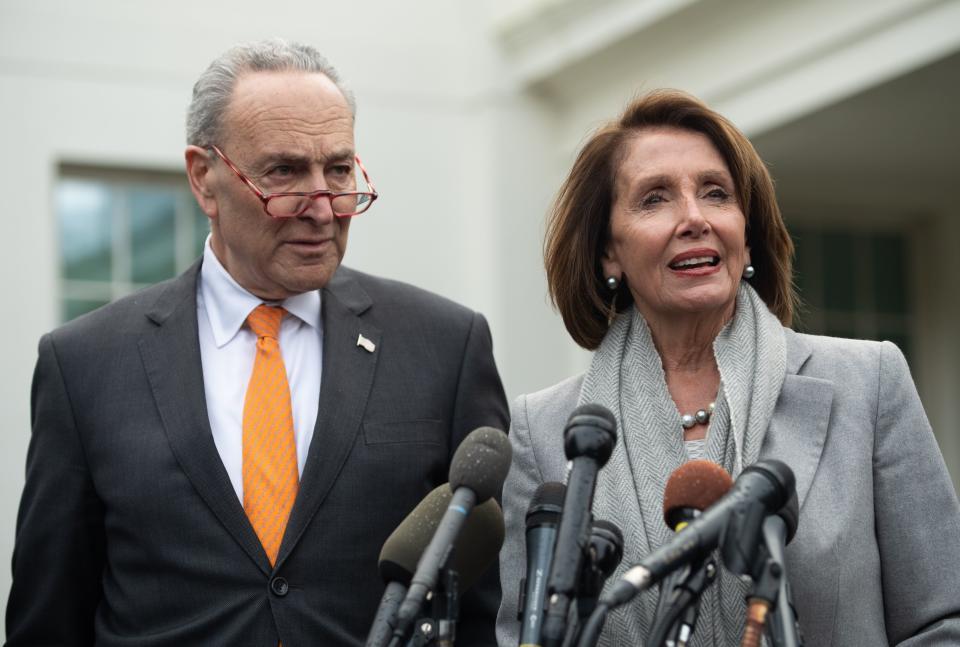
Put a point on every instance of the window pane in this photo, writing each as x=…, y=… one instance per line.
x=73, y=308
x=806, y=260
x=84, y=210
x=200, y=230
x=152, y=211
x=802, y=261
x=901, y=340
x=889, y=272
x=839, y=277
x=840, y=329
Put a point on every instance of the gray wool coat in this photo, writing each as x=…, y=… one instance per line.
x=876, y=557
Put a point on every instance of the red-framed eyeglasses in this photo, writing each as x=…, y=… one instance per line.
x=290, y=204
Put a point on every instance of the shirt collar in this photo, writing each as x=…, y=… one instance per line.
x=228, y=303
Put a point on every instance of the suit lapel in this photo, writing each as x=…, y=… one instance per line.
x=170, y=351
x=798, y=428
x=348, y=369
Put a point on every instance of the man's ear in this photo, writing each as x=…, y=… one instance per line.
x=201, y=178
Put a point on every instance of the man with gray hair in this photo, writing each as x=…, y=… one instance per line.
x=218, y=459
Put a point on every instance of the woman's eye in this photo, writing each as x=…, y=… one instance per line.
x=652, y=199
x=718, y=194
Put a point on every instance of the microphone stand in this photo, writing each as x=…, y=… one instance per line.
x=783, y=629
x=771, y=591
x=440, y=628
x=675, y=627
x=446, y=607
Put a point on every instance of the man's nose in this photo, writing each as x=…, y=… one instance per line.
x=321, y=205
x=320, y=208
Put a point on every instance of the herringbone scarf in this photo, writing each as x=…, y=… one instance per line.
x=626, y=375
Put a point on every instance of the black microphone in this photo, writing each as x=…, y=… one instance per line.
x=588, y=441
x=766, y=485
x=477, y=471
x=604, y=554
x=778, y=531
x=692, y=488
x=753, y=545
x=476, y=548
x=741, y=541
x=543, y=516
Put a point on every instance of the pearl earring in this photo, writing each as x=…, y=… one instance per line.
x=748, y=272
x=612, y=283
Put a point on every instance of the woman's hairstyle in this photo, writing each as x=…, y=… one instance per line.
x=578, y=227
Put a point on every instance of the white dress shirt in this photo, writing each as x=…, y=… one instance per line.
x=227, y=350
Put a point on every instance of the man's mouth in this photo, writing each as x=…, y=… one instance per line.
x=309, y=242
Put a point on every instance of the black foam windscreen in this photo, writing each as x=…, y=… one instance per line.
x=481, y=462
x=476, y=547
x=609, y=528
x=606, y=546
x=790, y=513
x=595, y=410
x=591, y=431
x=780, y=472
x=402, y=550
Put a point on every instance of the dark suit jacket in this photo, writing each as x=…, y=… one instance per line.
x=129, y=531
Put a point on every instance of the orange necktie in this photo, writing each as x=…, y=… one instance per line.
x=270, y=478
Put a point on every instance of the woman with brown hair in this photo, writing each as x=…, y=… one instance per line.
x=666, y=254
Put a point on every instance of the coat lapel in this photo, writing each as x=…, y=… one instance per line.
x=170, y=351
x=798, y=428
x=348, y=369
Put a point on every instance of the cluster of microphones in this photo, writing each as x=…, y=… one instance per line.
x=455, y=533
x=443, y=547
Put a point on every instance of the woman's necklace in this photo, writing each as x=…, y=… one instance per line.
x=701, y=417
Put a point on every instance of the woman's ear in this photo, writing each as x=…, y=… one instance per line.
x=610, y=264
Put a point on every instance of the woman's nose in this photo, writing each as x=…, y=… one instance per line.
x=693, y=224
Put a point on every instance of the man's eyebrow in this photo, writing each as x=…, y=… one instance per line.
x=341, y=155
x=280, y=157
x=286, y=157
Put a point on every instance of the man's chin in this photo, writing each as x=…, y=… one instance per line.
x=307, y=279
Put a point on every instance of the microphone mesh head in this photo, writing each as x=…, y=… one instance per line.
x=546, y=504
x=475, y=549
x=694, y=485
x=481, y=462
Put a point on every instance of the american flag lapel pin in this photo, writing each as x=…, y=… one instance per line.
x=366, y=344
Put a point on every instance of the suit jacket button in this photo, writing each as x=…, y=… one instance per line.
x=279, y=586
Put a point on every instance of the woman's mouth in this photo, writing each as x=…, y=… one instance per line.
x=695, y=262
